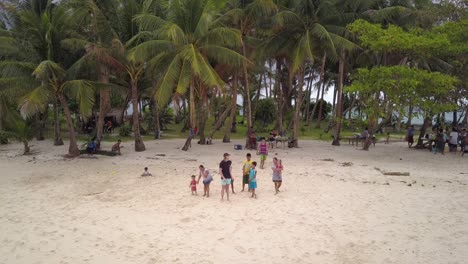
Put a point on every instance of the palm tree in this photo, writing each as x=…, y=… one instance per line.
x=302, y=32
x=56, y=83
x=20, y=130
x=182, y=48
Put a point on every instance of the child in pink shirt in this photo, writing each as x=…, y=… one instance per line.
x=193, y=185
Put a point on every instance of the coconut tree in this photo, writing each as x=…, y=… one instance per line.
x=303, y=30
x=55, y=83
x=19, y=129
x=183, y=48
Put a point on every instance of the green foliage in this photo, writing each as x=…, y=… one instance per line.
x=3, y=138
x=401, y=85
x=125, y=130
x=266, y=111
x=395, y=39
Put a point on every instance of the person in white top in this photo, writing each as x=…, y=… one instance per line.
x=453, y=140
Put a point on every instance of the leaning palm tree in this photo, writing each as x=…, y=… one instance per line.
x=54, y=82
x=183, y=48
x=20, y=130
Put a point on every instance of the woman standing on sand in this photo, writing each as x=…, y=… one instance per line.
x=207, y=178
x=277, y=178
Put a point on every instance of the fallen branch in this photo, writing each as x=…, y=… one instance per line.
x=396, y=173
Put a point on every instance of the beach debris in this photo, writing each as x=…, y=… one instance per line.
x=387, y=183
x=392, y=173
x=395, y=173
x=95, y=193
x=161, y=155
x=327, y=159
x=152, y=158
x=346, y=164
x=190, y=160
x=409, y=184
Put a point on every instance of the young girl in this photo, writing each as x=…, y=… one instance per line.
x=193, y=185
x=146, y=173
x=253, y=180
x=277, y=168
x=207, y=178
x=263, y=151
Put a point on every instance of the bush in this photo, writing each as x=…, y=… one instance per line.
x=3, y=138
x=125, y=130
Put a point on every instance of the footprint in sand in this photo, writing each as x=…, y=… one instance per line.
x=185, y=220
x=240, y=249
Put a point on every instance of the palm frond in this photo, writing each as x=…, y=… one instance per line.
x=84, y=92
x=35, y=101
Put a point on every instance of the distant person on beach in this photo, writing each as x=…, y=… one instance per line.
x=453, y=140
x=146, y=172
x=277, y=168
x=464, y=141
x=252, y=138
x=440, y=141
x=193, y=185
x=207, y=179
x=263, y=151
x=246, y=170
x=365, y=135
x=387, y=140
x=225, y=170
x=116, y=147
x=410, y=136
x=253, y=179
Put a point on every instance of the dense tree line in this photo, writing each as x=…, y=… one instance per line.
x=73, y=57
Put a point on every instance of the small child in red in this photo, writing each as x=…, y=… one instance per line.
x=193, y=185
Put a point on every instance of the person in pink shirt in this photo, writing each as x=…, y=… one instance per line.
x=193, y=185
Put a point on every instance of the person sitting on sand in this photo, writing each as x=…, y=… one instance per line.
x=116, y=147
x=146, y=173
x=193, y=185
x=91, y=147
x=207, y=178
x=253, y=180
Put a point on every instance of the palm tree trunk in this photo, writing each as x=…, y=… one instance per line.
x=311, y=116
x=73, y=150
x=27, y=149
x=104, y=101
x=139, y=145
x=232, y=117
x=279, y=95
x=188, y=142
x=202, y=117
x=297, y=119
x=247, y=91
x=422, y=132
x=319, y=118
x=373, y=118
x=339, y=103
x=155, y=111
x=410, y=115
x=57, y=137
x=309, y=93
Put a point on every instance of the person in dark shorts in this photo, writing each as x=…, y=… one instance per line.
x=245, y=171
x=225, y=170
x=410, y=136
x=277, y=178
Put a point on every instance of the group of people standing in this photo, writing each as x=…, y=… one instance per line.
x=249, y=176
x=440, y=137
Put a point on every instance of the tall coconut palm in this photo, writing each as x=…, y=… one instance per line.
x=183, y=47
x=302, y=31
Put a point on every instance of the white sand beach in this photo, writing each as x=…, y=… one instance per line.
x=99, y=210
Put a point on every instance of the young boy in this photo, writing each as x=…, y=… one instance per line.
x=116, y=147
x=253, y=180
x=146, y=173
x=246, y=170
x=193, y=185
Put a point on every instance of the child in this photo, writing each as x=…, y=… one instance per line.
x=193, y=185
x=253, y=180
x=146, y=173
x=263, y=151
x=388, y=138
x=246, y=170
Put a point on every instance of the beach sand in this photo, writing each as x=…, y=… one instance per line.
x=335, y=207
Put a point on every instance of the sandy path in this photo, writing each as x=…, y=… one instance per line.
x=100, y=211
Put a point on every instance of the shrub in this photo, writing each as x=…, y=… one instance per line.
x=125, y=130
x=3, y=138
